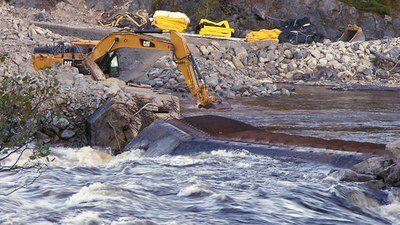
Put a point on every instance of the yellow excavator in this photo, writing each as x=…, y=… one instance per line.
x=100, y=58
x=126, y=20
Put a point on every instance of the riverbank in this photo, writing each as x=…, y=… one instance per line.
x=241, y=69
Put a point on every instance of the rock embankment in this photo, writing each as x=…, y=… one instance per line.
x=80, y=96
x=250, y=69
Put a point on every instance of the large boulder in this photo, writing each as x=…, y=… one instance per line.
x=394, y=149
x=373, y=165
x=116, y=123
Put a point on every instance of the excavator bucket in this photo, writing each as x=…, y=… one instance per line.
x=352, y=33
x=217, y=105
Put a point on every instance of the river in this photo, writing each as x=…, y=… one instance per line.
x=88, y=186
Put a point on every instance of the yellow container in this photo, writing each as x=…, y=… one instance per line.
x=263, y=35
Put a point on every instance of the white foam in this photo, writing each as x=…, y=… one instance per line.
x=94, y=192
x=23, y=160
x=230, y=154
x=195, y=190
x=86, y=217
x=82, y=157
x=178, y=160
x=125, y=157
x=131, y=221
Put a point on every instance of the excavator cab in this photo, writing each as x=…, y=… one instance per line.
x=114, y=66
x=110, y=64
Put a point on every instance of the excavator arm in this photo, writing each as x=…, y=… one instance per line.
x=177, y=44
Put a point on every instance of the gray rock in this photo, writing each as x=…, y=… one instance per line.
x=236, y=61
x=215, y=44
x=61, y=123
x=263, y=60
x=394, y=53
x=271, y=69
x=285, y=91
x=238, y=87
x=292, y=66
x=260, y=10
x=367, y=71
x=351, y=176
x=316, y=53
x=323, y=62
x=373, y=165
x=300, y=76
x=288, y=54
x=67, y=134
x=203, y=50
x=212, y=80
x=383, y=74
x=215, y=55
x=345, y=59
x=396, y=24
x=240, y=52
x=301, y=53
x=393, y=178
x=42, y=137
x=312, y=63
x=376, y=184
x=329, y=57
x=394, y=149
x=326, y=41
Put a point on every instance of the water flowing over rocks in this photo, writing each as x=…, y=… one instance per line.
x=382, y=170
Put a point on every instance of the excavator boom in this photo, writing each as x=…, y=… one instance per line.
x=99, y=52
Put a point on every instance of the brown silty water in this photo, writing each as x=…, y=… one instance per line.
x=358, y=121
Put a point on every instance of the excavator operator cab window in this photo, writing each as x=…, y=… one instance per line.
x=114, y=65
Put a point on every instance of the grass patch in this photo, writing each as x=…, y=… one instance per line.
x=375, y=6
x=3, y=57
x=209, y=9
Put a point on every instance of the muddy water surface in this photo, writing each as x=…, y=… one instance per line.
x=366, y=116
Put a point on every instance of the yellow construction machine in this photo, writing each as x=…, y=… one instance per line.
x=166, y=20
x=219, y=29
x=100, y=58
x=352, y=33
x=135, y=21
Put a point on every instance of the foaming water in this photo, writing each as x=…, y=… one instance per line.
x=88, y=186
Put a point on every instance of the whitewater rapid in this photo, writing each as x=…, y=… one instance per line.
x=89, y=186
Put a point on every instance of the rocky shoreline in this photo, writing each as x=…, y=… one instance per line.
x=252, y=69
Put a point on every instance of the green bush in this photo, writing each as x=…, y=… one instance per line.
x=23, y=107
x=374, y=6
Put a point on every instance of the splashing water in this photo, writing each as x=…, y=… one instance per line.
x=88, y=186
